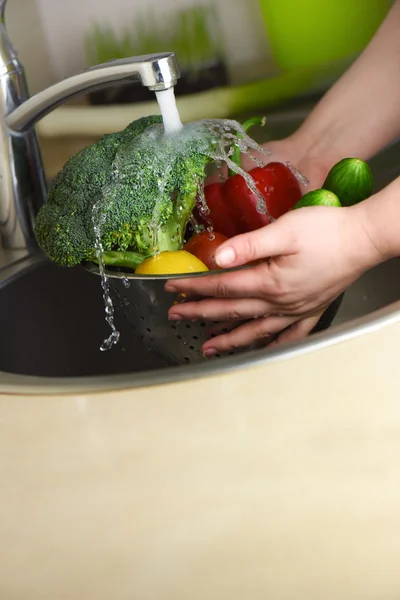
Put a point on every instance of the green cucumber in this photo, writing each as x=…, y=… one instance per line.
x=318, y=198
x=351, y=180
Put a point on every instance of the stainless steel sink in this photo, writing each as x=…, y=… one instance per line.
x=52, y=324
x=52, y=319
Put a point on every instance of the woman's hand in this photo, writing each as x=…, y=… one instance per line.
x=309, y=257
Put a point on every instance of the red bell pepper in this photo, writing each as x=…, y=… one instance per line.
x=233, y=206
x=221, y=214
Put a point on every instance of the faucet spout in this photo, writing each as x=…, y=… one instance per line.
x=22, y=180
x=155, y=71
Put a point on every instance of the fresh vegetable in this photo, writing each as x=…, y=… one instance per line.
x=203, y=245
x=168, y=263
x=318, y=198
x=221, y=215
x=351, y=180
x=233, y=206
x=278, y=186
x=127, y=259
x=147, y=193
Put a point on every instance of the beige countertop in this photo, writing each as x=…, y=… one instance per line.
x=277, y=481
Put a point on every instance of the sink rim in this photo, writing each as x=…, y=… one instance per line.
x=29, y=385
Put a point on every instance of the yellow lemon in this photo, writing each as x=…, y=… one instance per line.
x=169, y=263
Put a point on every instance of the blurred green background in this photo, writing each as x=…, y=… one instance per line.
x=303, y=33
x=325, y=35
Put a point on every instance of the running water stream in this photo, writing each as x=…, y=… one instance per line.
x=169, y=110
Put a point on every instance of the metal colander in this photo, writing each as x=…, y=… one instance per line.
x=143, y=304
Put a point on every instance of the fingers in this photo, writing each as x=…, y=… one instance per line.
x=247, y=283
x=247, y=334
x=272, y=240
x=297, y=330
x=289, y=330
x=215, y=309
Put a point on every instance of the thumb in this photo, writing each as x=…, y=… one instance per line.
x=271, y=240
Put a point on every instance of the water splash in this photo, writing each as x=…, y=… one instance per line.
x=255, y=159
x=99, y=214
x=228, y=134
x=299, y=176
x=214, y=138
x=203, y=208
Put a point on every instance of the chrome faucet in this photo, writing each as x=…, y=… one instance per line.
x=22, y=179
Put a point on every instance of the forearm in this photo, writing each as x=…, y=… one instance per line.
x=360, y=114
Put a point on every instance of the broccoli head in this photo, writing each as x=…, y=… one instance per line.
x=137, y=188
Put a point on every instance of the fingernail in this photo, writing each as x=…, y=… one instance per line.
x=175, y=317
x=170, y=288
x=209, y=352
x=225, y=256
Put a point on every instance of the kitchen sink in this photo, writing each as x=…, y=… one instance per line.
x=52, y=324
x=52, y=319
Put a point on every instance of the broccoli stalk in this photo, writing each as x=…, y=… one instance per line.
x=148, y=192
x=169, y=237
x=118, y=258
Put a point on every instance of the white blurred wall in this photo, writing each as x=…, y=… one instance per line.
x=26, y=30
x=49, y=33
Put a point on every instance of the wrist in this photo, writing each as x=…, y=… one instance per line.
x=313, y=158
x=379, y=220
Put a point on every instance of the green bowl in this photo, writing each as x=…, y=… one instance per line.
x=305, y=33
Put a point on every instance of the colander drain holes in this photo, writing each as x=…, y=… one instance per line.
x=187, y=334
